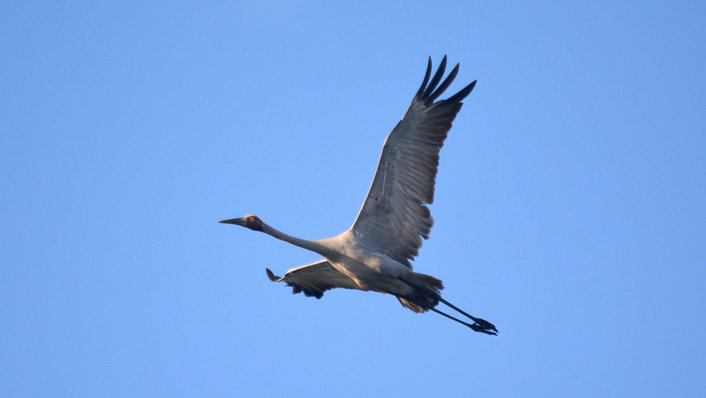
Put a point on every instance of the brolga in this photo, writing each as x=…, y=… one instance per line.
x=374, y=253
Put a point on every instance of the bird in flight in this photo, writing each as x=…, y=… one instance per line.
x=374, y=254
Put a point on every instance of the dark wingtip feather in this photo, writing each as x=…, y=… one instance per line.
x=444, y=85
x=459, y=96
x=273, y=277
x=426, y=79
x=435, y=80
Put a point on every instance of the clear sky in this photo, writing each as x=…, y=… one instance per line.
x=570, y=205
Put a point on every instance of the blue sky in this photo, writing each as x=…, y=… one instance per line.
x=570, y=205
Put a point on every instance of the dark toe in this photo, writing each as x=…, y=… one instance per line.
x=485, y=324
x=481, y=329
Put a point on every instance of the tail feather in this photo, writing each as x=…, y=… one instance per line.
x=426, y=294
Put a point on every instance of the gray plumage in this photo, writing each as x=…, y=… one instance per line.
x=375, y=253
x=394, y=216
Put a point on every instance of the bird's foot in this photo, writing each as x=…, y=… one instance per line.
x=483, y=326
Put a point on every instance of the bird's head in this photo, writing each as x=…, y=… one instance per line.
x=249, y=221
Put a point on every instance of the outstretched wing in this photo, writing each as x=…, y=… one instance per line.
x=314, y=279
x=394, y=216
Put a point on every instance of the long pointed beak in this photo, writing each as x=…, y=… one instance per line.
x=236, y=221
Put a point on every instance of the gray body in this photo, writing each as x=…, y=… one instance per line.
x=374, y=254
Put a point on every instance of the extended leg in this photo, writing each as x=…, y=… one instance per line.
x=473, y=326
x=480, y=325
x=480, y=322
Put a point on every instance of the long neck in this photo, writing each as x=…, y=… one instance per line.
x=303, y=243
